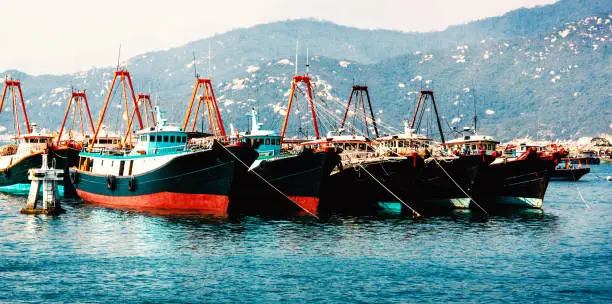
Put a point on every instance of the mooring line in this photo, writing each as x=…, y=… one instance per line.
x=399, y=199
x=456, y=184
x=579, y=192
x=269, y=184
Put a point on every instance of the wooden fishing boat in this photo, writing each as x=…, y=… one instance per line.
x=280, y=182
x=567, y=171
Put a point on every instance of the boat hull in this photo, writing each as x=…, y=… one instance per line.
x=439, y=191
x=358, y=189
x=17, y=173
x=573, y=174
x=298, y=177
x=520, y=183
x=199, y=181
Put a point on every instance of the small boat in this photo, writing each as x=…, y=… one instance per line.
x=16, y=159
x=566, y=171
x=162, y=171
x=588, y=157
x=280, y=182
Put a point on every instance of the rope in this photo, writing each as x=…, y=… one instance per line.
x=396, y=197
x=269, y=184
x=579, y=192
x=456, y=184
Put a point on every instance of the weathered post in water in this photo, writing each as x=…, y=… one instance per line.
x=49, y=178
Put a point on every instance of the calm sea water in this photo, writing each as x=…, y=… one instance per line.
x=93, y=254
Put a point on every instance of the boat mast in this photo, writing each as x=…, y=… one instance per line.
x=15, y=84
x=122, y=75
x=358, y=91
x=422, y=100
x=296, y=80
x=77, y=99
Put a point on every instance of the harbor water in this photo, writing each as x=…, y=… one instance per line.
x=95, y=254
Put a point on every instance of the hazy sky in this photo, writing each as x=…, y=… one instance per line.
x=64, y=36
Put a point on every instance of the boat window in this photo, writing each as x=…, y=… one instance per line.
x=102, y=163
x=184, y=139
x=400, y=143
x=165, y=138
x=159, y=138
x=362, y=147
x=267, y=141
x=273, y=142
x=152, y=138
x=171, y=139
x=473, y=147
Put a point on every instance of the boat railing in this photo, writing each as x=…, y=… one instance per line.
x=164, y=150
x=351, y=156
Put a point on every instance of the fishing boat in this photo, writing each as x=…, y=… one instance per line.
x=516, y=182
x=280, y=182
x=162, y=171
x=25, y=151
x=446, y=178
x=566, y=171
x=365, y=181
x=587, y=157
x=17, y=158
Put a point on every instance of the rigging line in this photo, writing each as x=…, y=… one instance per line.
x=387, y=128
x=268, y=183
x=335, y=118
x=18, y=128
x=456, y=184
x=396, y=197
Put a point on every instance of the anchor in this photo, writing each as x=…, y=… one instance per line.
x=48, y=178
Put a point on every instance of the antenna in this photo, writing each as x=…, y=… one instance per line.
x=307, y=60
x=297, y=46
x=195, y=69
x=475, y=115
x=119, y=57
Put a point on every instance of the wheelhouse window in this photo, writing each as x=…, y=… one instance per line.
x=152, y=138
x=267, y=141
x=159, y=138
x=165, y=138
x=171, y=139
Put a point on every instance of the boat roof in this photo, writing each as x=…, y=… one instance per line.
x=339, y=139
x=472, y=138
x=404, y=136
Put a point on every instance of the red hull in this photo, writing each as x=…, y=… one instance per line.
x=203, y=203
x=309, y=203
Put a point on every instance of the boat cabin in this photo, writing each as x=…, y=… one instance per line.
x=266, y=142
x=403, y=144
x=33, y=142
x=351, y=147
x=154, y=147
x=523, y=147
x=472, y=144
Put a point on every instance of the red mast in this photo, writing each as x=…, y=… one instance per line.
x=300, y=79
x=15, y=84
x=80, y=99
x=122, y=75
x=146, y=102
x=214, y=114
